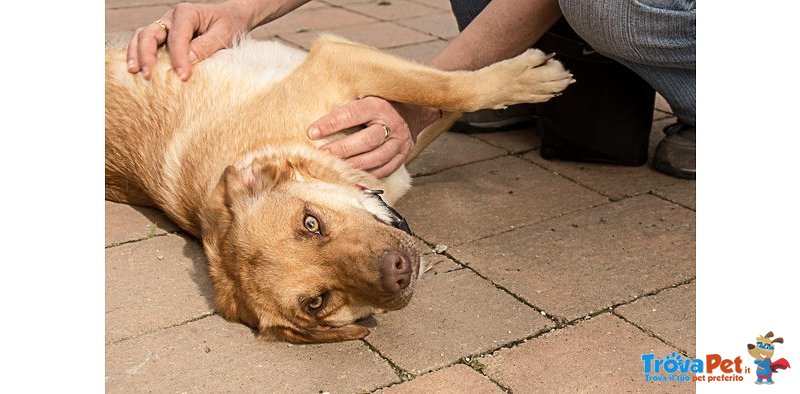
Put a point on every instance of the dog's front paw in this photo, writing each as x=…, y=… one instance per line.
x=531, y=77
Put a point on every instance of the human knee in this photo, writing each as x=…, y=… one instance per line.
x=653, y=32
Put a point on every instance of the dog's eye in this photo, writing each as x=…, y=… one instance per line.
x=311, y=224
x=315, y=303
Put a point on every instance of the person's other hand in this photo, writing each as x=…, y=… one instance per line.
x=386, y=140
x=215, y=26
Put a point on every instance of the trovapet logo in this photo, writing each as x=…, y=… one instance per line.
x=716, y=368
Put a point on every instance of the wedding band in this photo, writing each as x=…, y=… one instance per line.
x=386, y=131
x=162, y=24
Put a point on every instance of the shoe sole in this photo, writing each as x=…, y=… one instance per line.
x=501, y=123
x=676, y=172
x=490, y=127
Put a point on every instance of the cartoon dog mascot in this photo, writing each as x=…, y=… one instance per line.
x=762, y=351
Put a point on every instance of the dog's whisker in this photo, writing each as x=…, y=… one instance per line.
x=296, y=312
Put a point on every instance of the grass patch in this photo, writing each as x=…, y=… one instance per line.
x=474, y=363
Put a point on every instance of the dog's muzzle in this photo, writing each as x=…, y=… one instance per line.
x=394, y=218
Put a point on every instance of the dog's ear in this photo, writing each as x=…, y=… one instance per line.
x=317, y=334
x=247, y=184
x=777, y=340
x=769, y=335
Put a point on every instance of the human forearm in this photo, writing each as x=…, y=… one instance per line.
x=265, y=11
x=504, y=29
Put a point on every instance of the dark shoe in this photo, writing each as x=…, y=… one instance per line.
x=490, y=120
x=675, y=154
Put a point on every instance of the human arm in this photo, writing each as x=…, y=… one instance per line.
x=504, y=29
x=195, y=31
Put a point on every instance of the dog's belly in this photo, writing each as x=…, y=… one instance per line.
x=243, y=71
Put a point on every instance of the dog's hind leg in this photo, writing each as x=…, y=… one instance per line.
x=432, y=132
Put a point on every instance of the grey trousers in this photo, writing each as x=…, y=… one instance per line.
x=654, y=38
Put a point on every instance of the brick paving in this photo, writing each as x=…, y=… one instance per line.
x=557, y=276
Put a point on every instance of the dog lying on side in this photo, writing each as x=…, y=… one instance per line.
x=299, y=245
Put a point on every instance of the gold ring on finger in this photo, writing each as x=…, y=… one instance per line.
x=386, y=131
x=162, y=24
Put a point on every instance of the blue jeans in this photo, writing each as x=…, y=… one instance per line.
x=653, y=38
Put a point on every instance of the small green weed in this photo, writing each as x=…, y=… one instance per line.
x=474, y=363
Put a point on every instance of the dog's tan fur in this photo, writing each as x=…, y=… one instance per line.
x=226, y=156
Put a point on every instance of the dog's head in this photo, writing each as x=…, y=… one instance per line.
x=764, y=347
x=299, y=253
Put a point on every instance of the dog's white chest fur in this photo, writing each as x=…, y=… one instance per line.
x=262, y=62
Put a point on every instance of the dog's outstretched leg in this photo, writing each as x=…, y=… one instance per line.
x=531, y=77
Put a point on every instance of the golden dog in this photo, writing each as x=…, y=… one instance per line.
x=299, y=245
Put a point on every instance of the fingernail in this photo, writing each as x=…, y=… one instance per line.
x=146, y=72
x=181, y=73
x=314, y=132
x=192, y=57
x=131, y=65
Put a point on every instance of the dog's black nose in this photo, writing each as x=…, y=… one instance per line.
x=395, y=271
x=750, y=346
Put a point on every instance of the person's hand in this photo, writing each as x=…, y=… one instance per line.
x=216, y=26
x=386, y=140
